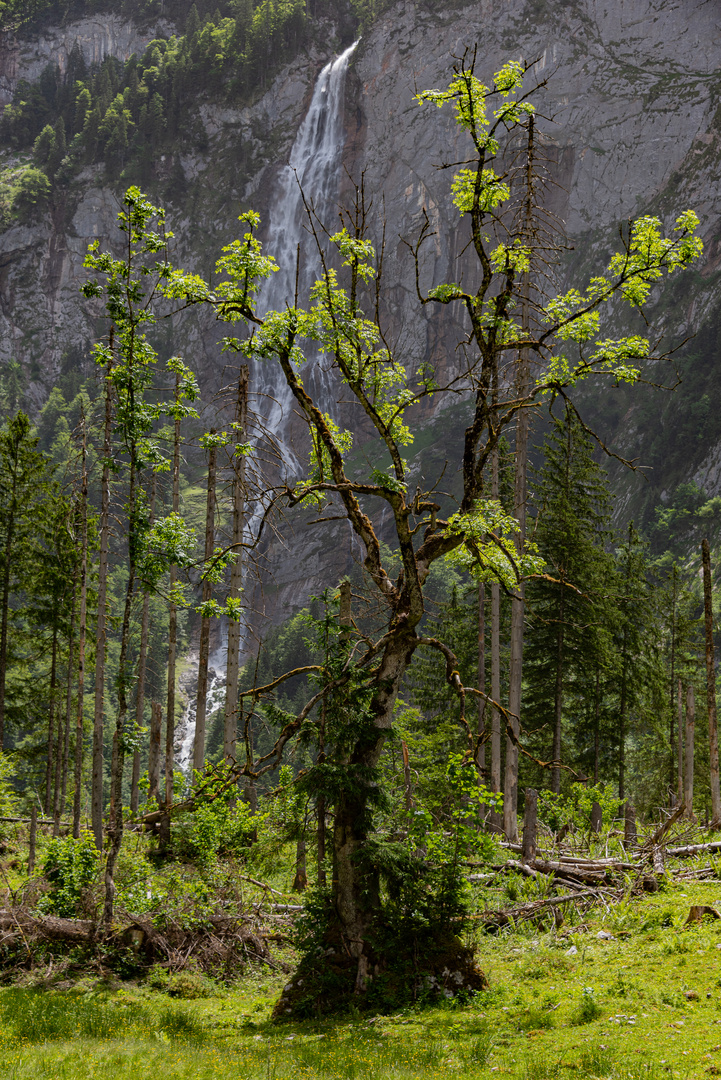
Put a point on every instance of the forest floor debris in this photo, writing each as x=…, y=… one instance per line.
x=641, y=1004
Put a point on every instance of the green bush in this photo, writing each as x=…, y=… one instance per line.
x=213, y=830
x=70, y=867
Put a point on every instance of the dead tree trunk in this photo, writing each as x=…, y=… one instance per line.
x=690, y=732
x=96, y=800
x=623, y=704
x=711, y=689
x=142, y=667
x=230, y=728
x=558, y=694
x=320, y=801
x=672, y=724
x=300, y=882
x=495, y=818
x=680, y=742
x=530, y=827
x=481, y=745
x=61, y=769
x=156, y=723
x=47, y=805
x=518, y=601
x=596, y=818
x=32, y=840
x=82, y=629
x=204, y=650
x=115, y=815
x=630, y=836
x=172, y=640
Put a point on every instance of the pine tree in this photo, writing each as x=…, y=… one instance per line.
x=23, y=485
x=571, y=612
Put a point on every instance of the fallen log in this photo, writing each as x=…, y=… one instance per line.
x=563, y=870
x=689, y=850
x=525, y=911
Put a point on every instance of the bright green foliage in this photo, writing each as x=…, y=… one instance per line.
x=70, y=867
x=480, y=193
x=214, y=830
x=574, y=808
x=488, y=550
x=132, y=287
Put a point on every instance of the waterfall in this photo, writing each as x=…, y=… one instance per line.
x=314, y=167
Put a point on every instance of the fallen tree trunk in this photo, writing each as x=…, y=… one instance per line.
x=693, y=849
x=526, y=911
x=223, y=943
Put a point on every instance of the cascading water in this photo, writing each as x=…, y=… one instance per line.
x=313, y=172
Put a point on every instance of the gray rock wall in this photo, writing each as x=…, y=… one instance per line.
x=633, y=90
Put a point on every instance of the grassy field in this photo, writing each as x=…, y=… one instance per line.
x=643, y=1003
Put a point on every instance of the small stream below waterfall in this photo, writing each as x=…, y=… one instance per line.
x=313, y=166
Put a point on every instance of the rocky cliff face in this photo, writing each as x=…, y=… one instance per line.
x=632, y=100
x=634, y=127
x=98, y=37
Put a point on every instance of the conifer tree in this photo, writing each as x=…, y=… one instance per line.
x=570, y=610
x=23, y=481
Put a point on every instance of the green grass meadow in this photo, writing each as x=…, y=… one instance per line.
x=645, y=1003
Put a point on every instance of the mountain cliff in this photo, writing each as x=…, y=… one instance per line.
x=632, y=125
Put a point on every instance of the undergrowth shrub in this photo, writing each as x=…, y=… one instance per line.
x=588, y=1008
x=214, y=830
x=70, y=868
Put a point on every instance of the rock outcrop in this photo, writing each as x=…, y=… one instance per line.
x=633, y=126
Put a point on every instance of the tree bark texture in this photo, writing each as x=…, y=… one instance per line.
x=61, y=768
x=558, y=695
x=496, y=818
x=688, y=770
x=711, y=689
x=630, y=837
x=481, y=751
x=82, y=630
x=520, y=497
x=96, y=799
x=530, y=827
x=156, y=724
x=172, y=641
x=47, y=804
x=204, y=648
x=142, y=667
x=230, y=728
x=300, y=882
x=115, y=816
x=680, y=740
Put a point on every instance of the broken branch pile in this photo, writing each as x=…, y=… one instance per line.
x=220, y=945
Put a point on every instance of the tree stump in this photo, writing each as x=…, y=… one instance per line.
x=630, y=835
x=596, y=818
x=530, y=827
